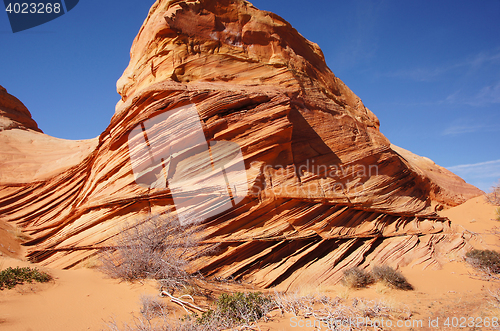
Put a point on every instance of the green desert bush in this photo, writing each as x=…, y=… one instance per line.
x=11, y=277
x=237, y=308
x=356, y=278
x=486, y=260
x=391, y=278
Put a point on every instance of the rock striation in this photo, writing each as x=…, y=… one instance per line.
x=326, y=190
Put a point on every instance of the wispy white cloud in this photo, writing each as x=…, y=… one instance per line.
x=483, y=175
x=362, y=37
x=483, y=58
x=486, y=96
x=468, y=125
x=489, y=169
x=460, y=129
x=427, y=74
x=421, y=74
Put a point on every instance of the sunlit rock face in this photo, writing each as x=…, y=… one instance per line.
x=26, y=154
x=323, y=188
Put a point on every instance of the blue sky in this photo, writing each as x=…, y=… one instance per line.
x=430, y=70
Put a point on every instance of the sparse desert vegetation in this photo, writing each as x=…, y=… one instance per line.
x=494, y=198
x=484, y=260
x=244, y=310
x=11, y=277
x=391, y=277
x=328, y=310
x=228, y=311
x=237, y=309
x=359, y=278
x=158, y=247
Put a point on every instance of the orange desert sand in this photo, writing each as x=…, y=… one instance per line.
x=85, y=299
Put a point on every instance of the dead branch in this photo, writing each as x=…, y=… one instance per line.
x=182, y=303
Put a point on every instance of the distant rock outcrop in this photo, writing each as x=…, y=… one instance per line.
x=26, y=154
x=447, y=189
x=13, y=114
x=326, y=189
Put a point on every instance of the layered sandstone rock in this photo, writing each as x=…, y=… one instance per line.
x=325, y=188
x=26, y=154
x=447, y=189
x=13, y=113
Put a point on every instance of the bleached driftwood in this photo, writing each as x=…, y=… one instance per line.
x=183, y=303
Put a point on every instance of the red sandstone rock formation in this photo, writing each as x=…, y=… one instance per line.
x=326, y=189
x=13, y=114
x=26, y=154
x=447, y=189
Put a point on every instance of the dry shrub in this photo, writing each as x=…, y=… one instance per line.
x=159, y=247
x=229, y=311
x=329, y=310
x=153, y=307
x=391, y=278
x=494, y=197
x=19, y=234
x=240, y=311
x=91, y=262
x=486, y=260
x=236, y=309
x=356, y=278
x=495, y=296
x=154, y=317
x=288, y=302
x=142, y=324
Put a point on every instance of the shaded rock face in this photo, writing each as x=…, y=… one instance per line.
x=325, y=189
x=13, y=114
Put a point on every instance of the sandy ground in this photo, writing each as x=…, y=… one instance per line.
x=85, y=299
x=75, y=300
x=10, y=241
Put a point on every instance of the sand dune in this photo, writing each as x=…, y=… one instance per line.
x=81, y=299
